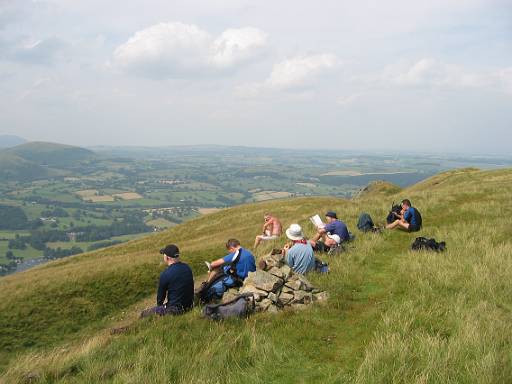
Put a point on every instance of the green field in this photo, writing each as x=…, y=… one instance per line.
x=394, y=316
x=27, y=254
x=11, y=234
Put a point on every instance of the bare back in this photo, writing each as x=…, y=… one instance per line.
x=277, y=228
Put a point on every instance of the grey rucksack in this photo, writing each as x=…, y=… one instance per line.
x=241, y=306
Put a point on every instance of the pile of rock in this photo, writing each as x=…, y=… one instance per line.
x=275, y=286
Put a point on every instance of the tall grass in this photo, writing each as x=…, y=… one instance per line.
x=394, y=316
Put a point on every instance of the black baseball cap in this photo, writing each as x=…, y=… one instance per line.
x=331, y=214
x=171, y=250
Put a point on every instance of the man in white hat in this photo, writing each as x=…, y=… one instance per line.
x=299, y=255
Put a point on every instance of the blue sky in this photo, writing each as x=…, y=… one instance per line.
x=429, y=76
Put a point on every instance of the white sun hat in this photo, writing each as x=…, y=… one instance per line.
x=295, y=232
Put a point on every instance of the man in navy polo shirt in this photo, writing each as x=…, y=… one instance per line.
x=176, y=285
x=235, y=266
x=333, y=233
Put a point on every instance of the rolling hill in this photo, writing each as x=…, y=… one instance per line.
x=393, y=316
x=50, y=154
x=16, y=168
x=38, y=160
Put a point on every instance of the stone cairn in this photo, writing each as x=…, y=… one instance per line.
x=275, y=286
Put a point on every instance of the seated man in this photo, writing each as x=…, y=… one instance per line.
x=298, y=255
x=272, y=229
x=408, y=220
x=333, y=233
x=176, y=284
x=231, y=270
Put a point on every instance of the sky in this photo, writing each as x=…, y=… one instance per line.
x=431, y=76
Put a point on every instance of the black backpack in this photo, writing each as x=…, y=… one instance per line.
x=424, y=244
x=395, y=210
x=365, y=222
x=241, y=306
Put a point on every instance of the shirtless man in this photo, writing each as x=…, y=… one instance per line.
x=272, y=229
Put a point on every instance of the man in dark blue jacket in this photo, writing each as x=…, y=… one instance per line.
x=176, y=285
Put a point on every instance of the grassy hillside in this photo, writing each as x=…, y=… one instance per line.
x=15, y=168
x=393, y=315
x=50, y=154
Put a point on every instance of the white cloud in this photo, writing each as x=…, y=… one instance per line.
x=235, y=46
x=296, y=73
x=431, y=72
x=300, y=71
x=178, y=50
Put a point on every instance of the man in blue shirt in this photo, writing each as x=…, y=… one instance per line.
x=299, y=255
x=176, y=285
x=333, y=233
x=409, y=219
x=233, y=267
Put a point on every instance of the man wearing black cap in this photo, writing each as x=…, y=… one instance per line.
x=176, y=284
x=334, y=232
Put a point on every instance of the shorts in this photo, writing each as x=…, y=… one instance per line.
x=413, y=228
x=268, y=237
x=335, y=237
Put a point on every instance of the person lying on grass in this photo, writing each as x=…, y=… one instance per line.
x=231, y=270
x=176, y=284
x=408, y=220
x=272, y=229
x=333, y=233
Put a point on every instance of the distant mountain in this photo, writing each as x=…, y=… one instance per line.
x=7, y=141
x=40, y=160
x=50, y=154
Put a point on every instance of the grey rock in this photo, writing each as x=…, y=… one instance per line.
x=272, y=261
x=321, y=296
x=272, y=309
x=286, y=271
x=285, y=298
x=286, y=289
x=295, y=284
x=307, y=285
x=264, y=281
x=273, y=297
x=263, y=305
x=302, y=297
x=228, y=296
x=258, y=293
x=276, y=272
